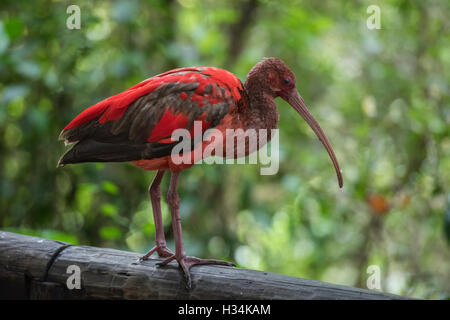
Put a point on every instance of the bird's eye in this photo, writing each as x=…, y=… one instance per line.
x=287, y=80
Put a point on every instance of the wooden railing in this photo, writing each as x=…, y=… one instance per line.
x=35, y=268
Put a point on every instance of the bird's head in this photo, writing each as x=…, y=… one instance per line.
x=277, y=80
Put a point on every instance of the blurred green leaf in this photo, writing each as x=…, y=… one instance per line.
x=110, y=187
x=110, y=232
x=109, y=209
x=14, y=28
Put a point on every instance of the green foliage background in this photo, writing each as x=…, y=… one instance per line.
x=382, y=97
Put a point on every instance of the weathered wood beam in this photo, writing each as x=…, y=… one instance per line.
x=35, y=268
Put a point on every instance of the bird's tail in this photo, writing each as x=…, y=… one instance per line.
x=94, y=151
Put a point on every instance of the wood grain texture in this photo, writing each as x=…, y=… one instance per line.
x=35, y=268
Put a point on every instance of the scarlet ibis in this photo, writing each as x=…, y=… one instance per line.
x=136, y=126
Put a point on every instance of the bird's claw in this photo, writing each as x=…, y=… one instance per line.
x=141, y=259
x=186, y=263
x=161, y=250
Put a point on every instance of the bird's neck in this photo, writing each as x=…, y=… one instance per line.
x=259, y=111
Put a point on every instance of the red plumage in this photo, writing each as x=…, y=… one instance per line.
x=114, y=107
x=149, y=112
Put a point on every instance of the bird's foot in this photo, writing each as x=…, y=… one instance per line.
x=187, y=262
x=160, y=249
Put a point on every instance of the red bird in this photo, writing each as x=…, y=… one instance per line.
x=137, y=125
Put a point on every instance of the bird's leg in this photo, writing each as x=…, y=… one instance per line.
x=180, y=255
x=155, y=197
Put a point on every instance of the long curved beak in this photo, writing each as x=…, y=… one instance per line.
x=296, y=101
